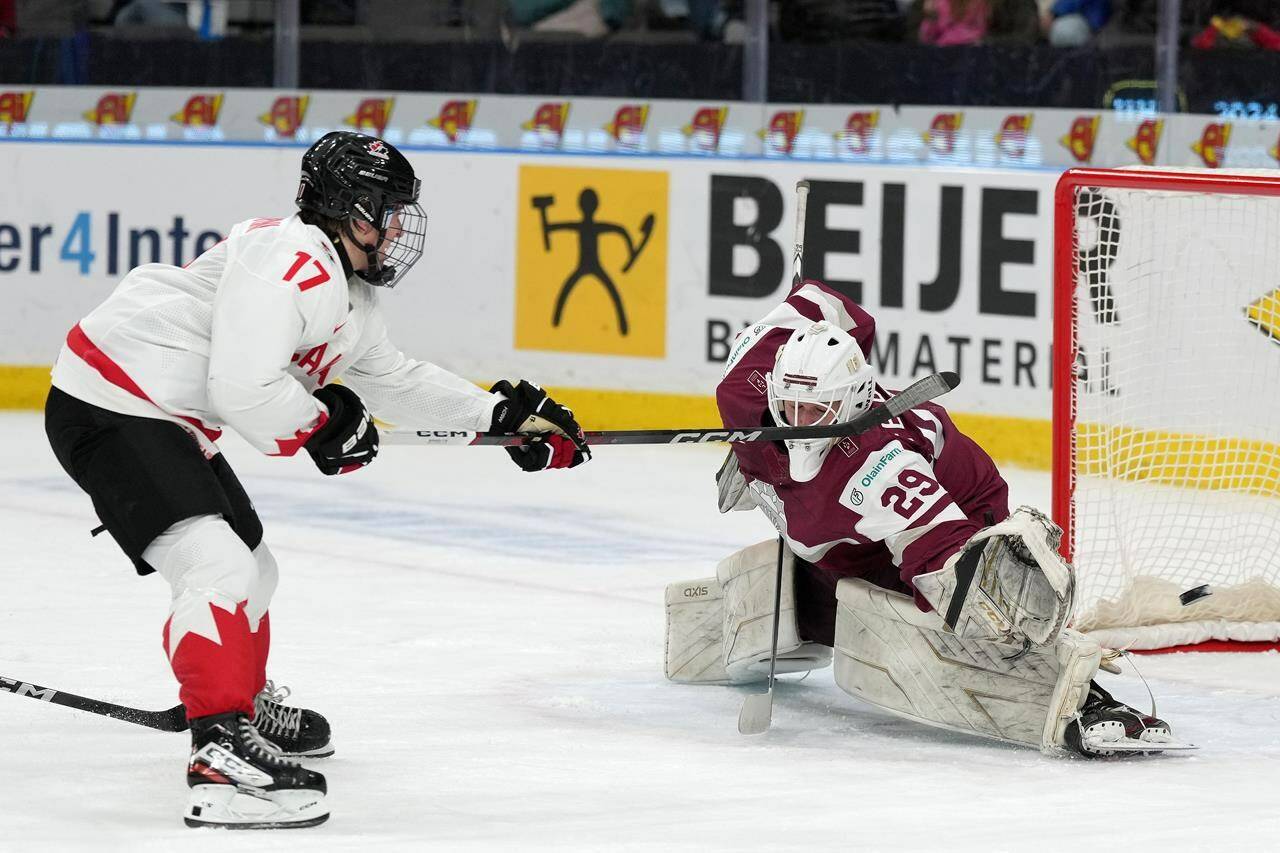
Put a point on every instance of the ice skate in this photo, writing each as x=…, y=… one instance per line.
x=240, y=781
x=1107, y=727
x=296, y=732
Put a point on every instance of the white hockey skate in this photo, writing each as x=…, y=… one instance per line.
x=240, y=781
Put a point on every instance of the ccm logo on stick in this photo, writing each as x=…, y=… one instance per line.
x=44, y=694
x=726, y=435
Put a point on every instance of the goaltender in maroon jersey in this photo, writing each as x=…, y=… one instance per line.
x=886, y=505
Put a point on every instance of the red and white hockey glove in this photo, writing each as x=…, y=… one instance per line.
x=555, y=439
x=348, y=440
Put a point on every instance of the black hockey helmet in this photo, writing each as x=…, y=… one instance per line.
x=348, y=176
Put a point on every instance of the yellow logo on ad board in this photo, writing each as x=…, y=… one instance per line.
x=591, y=261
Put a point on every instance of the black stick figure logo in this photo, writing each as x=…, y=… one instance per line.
x=589, y=233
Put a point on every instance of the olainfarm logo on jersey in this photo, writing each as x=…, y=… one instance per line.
x=879, y=465
x=286, y=115
x=15, y=107
x=863, y=492
x=591, y=261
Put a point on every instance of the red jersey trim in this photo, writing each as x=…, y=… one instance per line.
x=290, y=446
x=78, y=342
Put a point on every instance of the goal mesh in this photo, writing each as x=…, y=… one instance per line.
x=1167, y=406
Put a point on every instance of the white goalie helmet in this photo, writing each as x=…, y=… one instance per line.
x=819, y=377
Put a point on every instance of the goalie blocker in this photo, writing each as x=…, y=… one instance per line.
x=997, y=683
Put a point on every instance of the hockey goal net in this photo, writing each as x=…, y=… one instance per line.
x=1166, y=403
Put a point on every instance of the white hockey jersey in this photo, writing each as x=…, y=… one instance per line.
x=243, y=334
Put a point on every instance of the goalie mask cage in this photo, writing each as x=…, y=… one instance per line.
x=1166, y=403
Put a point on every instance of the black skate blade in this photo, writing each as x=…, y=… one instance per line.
x=319, y=752
x=282, y=824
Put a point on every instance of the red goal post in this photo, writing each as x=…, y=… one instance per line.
x=1166, y=403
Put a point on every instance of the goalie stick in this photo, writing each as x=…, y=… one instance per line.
x=757, y=709
x=933, y=385
x=172, y=720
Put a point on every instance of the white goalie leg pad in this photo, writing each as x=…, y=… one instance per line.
x=1007, y=583
x=695, y=632
x=893, y=656
x=747, y=578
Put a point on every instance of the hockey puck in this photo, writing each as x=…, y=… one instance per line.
x=1193, y=595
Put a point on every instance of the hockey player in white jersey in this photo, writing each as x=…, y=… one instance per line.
x=251, y=335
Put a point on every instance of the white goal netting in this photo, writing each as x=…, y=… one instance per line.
x=1177, y=414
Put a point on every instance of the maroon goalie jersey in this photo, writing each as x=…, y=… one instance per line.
x=886, y=505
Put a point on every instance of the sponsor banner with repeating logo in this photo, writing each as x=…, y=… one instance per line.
x=584, y=271
x=855, y=133
x=614, y=275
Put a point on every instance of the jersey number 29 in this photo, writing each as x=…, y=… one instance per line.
x=901, y=500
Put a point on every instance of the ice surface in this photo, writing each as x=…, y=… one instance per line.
x=488, y=647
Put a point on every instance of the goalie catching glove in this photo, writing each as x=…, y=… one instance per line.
x=1008, y=583
x=554, y=438
x=348, y=440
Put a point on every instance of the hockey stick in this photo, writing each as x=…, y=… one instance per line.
x=922, y=391
x=757, y=709
x=933, y=385
x=172, y=720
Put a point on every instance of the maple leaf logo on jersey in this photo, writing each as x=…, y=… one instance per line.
x=942, y=133
x=783, y=129
x=112, y=108
x=704, y=129
x=454, y=118
x=1212, y=145
x=1012, y=136
x=1146, y=140
x=199, y=111
x=628, y=123
x=372, y=114
x=286, y=115
x=859, y=128
x=1081, y=138
x=15, y=107
x=549, y=119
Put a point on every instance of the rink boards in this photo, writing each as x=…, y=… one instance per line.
x=954, y=264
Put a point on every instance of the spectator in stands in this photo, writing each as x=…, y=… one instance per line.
x=1071, y=23
x=814, y=21
x=954, y=22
